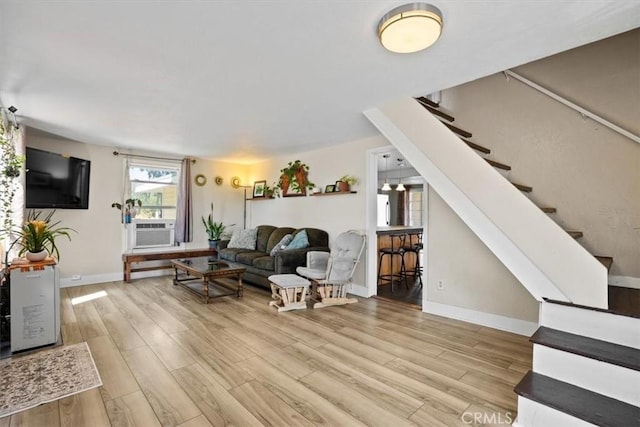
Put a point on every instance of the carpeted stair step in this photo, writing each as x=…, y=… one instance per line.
x=498, y=165
x=603, y=351
x=575, y=234
x=548, y=210
x=476, y=147
x=578, y=402
x=605, y=260
x=523, y=188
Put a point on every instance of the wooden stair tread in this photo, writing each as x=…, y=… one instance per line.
x=457, y=130
x=603, y=351
x=524, y=188
x=575, y=234
x=605, y=260
x=427, y=101
x=436, y=112
x=548, y=210
x=498, y=165
x=476, y=146
x=577, y=402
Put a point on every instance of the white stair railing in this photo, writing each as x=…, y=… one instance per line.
x=542, y=256
x=585, y=113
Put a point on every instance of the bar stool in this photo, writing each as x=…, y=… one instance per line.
x=414, y=245
x=397, y=249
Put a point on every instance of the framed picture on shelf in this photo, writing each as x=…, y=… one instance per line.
x=330, y=188
x=258, y=189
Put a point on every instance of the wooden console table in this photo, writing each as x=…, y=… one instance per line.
x=130, y=258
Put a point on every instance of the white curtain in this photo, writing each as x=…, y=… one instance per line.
x=184, y=214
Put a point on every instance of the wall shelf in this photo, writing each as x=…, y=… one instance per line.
x=337, y=193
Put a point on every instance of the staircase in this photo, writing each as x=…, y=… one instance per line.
x=586, y=369
x=464, y=135
x=586, y=361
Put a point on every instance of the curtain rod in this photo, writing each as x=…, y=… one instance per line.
x=140, y=156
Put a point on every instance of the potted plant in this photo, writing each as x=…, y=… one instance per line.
x=345, y=183
x=129, y=208
x=295, y=176
x=269, y=190
x=215, y=230
x=37, y=237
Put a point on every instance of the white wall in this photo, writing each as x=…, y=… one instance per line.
x=95, y=251
x=333, y=214
x=473, y=278
x=588, y=172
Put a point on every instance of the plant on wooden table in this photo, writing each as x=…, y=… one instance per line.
x=39, y=235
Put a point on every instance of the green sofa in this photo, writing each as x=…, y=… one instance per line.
x=260, y=265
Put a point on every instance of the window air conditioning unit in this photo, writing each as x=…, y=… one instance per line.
x=150, y=233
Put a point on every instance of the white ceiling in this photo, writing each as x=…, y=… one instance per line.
x=239, y=80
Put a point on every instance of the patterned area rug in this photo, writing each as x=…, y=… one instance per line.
x=45, y=376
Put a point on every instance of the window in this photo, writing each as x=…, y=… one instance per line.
x=156, y=185
x=415, y=207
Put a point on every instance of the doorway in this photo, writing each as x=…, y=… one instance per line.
x=398, y=197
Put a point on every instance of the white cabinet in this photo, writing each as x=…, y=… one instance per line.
x=35, y=307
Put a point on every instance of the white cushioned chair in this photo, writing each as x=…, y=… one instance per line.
x=330, y=273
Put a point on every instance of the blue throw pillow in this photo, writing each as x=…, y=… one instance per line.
x=299, y=241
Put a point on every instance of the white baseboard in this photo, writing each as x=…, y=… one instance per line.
x=625, y=281
x=359, y=290
x=503, y=323
x=68, y=282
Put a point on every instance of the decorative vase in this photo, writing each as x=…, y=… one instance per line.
x=36, y=256
x=213, y=244
x=343, y=186
x=284, y=184
x=302, y=179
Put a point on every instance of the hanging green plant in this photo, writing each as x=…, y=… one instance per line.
x=10, y=167
x=295, y=176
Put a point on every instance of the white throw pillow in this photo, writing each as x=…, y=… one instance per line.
x=244, y=239
x=281, y=244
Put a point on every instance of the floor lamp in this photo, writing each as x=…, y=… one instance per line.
x=244, y=206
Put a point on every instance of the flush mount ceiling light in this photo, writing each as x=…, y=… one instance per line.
x=410, y=28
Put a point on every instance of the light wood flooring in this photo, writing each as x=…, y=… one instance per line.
x=167, y=359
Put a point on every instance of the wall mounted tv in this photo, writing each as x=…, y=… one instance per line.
x=56, y=181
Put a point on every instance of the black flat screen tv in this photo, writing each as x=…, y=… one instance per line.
x=55, y=181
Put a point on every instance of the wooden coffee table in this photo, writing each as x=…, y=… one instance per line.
x=201, y=276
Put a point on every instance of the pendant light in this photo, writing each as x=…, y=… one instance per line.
x=386, y=186
x=400, y=187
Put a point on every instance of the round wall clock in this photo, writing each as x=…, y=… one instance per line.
x=219, y=180
x=200, y=180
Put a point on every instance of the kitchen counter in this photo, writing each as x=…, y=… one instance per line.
x=397, y=229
